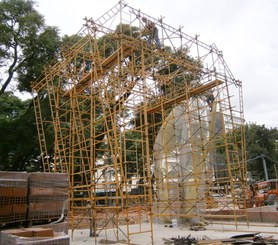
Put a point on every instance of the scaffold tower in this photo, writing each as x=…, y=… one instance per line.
x=148, y=130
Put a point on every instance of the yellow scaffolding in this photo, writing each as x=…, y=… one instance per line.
x=145, y=134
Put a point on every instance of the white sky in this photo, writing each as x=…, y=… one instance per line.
x=245, y=30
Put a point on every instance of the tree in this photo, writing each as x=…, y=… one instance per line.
x=18, y=138
x=26, y=44
x=261, y=141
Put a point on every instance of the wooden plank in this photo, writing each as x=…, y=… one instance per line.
x=190, y=93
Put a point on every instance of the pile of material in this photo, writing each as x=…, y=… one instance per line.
x=251, y=238
x=32, y=198
x=48, y=196
x=35, y=236
x=13, y=197
x=189, y=240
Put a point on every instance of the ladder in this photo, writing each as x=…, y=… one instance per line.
x=41, y=134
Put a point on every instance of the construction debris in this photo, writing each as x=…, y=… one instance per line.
x=181, y=240
x=105, y=241
x=258, y=239
x=197, y=228
x=250, y=238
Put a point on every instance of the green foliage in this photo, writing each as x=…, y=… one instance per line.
x=131, y=154
x=19, y=144
x=37, y=55
x=26, y=46
x=11, y=107
x=261, y=141
x=18, y=140
x=128, y=30
x=182, y=76
x=26, y=43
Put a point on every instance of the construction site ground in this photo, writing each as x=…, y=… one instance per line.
x=260, y=220
x=212, y=233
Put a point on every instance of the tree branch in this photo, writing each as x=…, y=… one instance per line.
x=11, y=70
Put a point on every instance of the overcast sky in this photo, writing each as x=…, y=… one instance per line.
x=245, y=30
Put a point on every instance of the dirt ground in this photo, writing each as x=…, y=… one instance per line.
x=161, y=232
